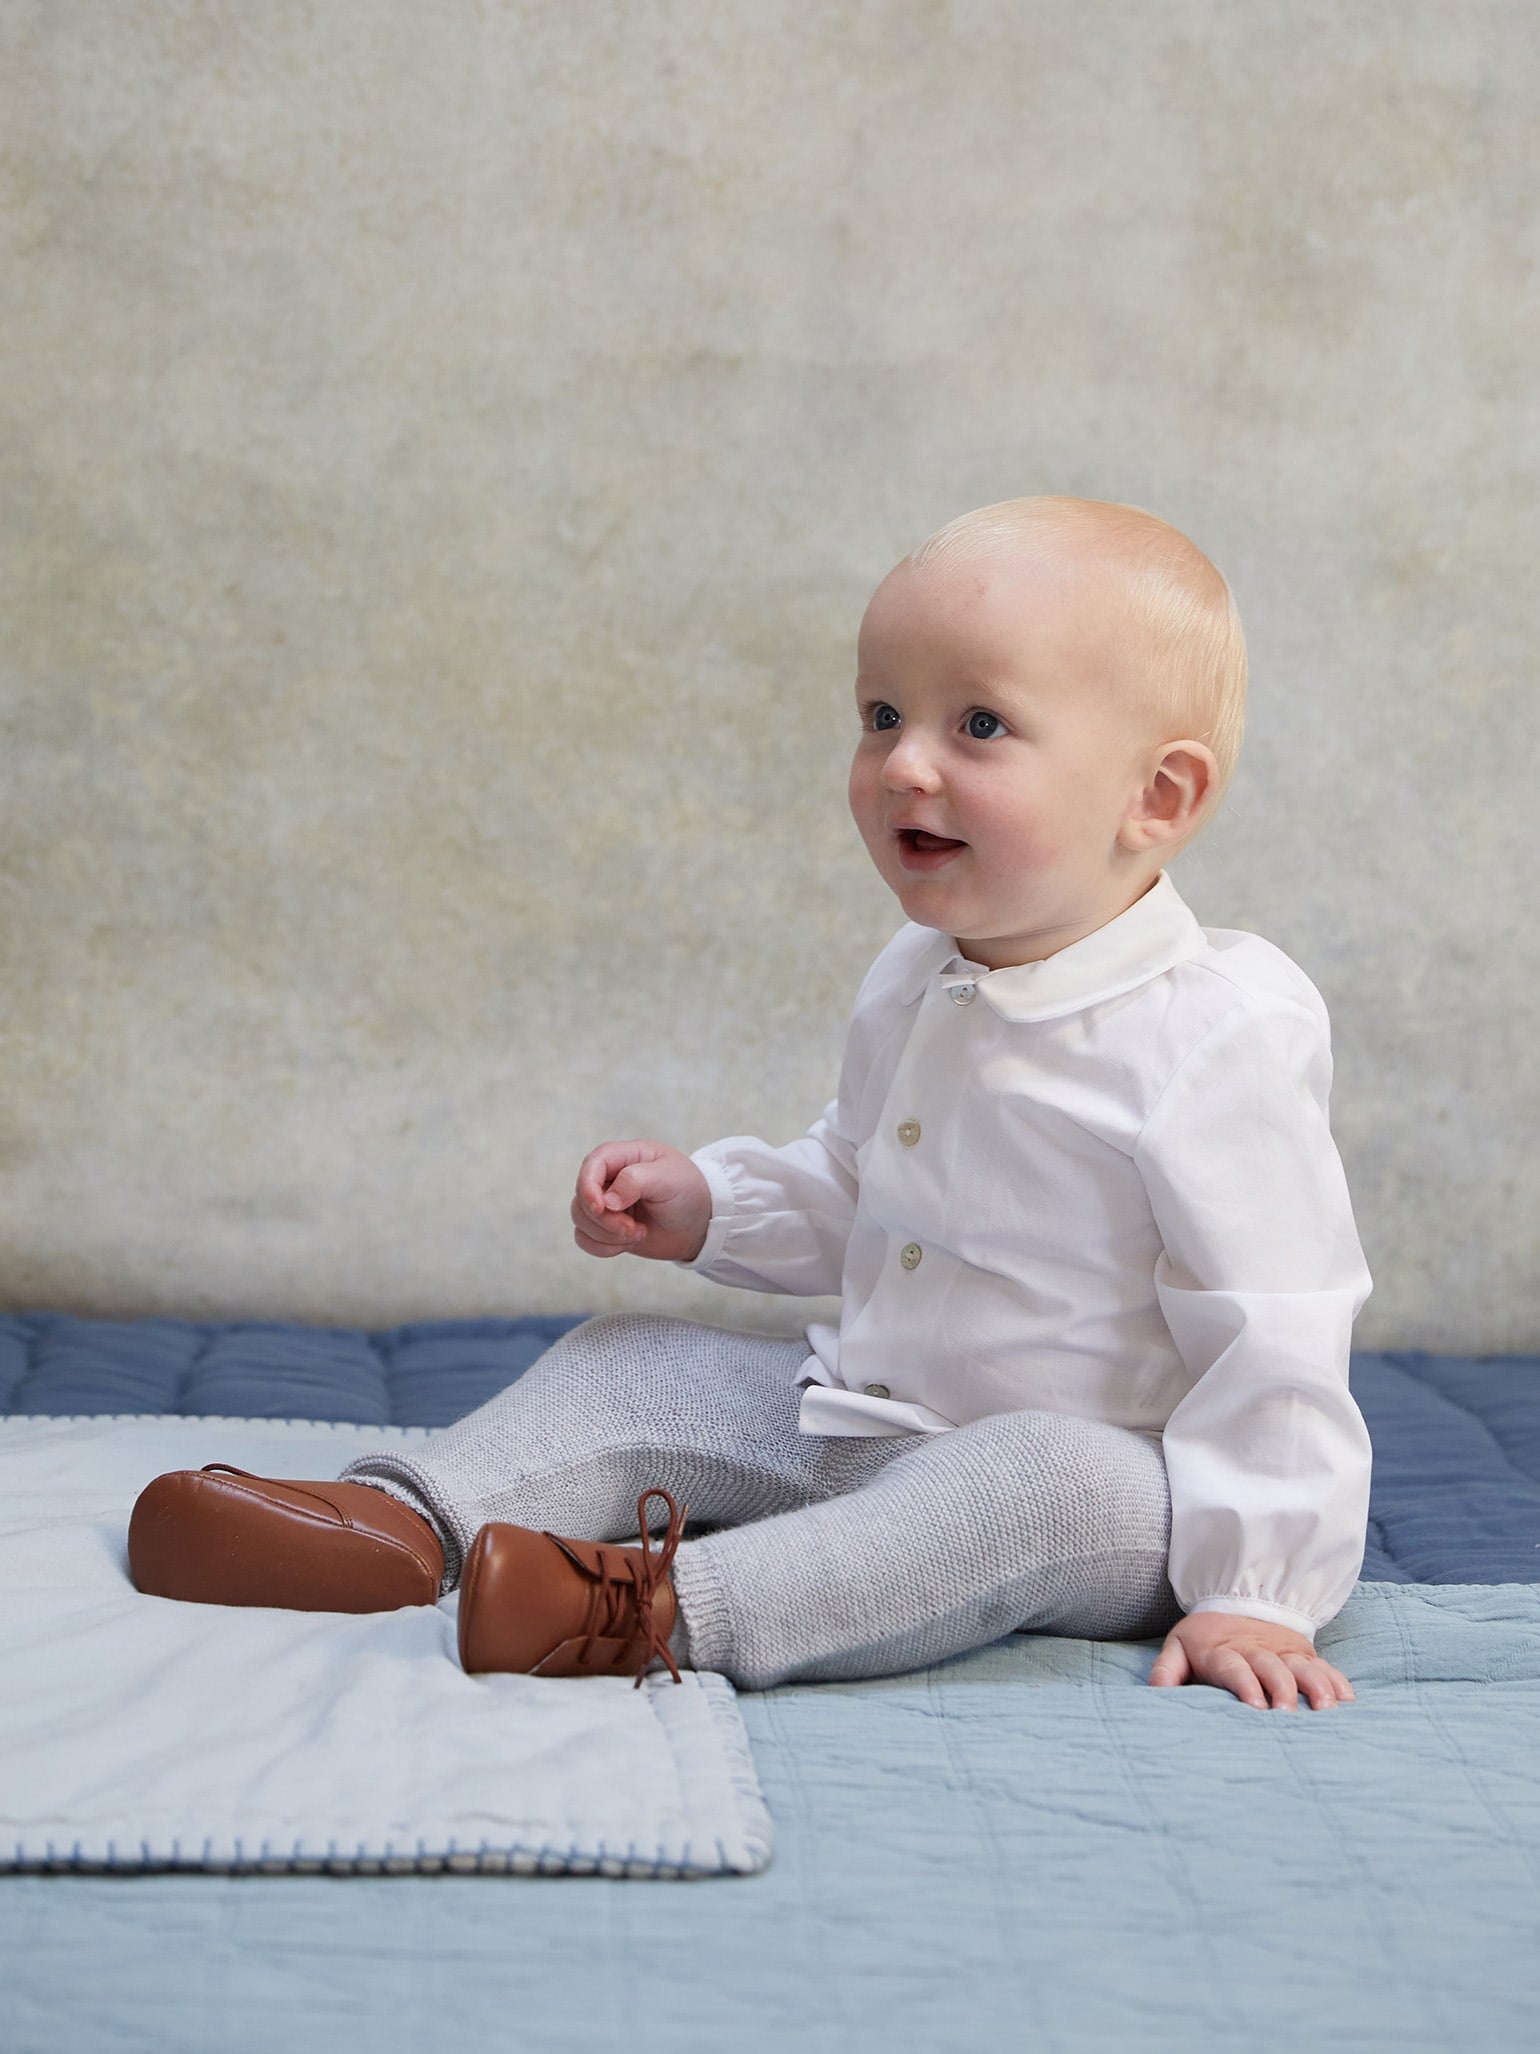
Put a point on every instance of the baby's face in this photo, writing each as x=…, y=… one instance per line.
x=1001, y=750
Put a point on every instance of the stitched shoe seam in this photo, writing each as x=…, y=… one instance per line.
x=341, y=1524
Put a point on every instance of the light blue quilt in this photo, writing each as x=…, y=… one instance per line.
x=1025, y=1848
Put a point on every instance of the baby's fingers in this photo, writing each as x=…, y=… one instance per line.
x=1282, y=1677
x=614, y=1232
x=1243, y=1679
x=1282, y=1683
x=1171, y=1665
x=1339, y=1682
x=1321, y=1683
x=593, y=1175
x=628, y=1189
x=590, y=1246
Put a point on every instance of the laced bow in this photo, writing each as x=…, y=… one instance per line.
x=638, y=1582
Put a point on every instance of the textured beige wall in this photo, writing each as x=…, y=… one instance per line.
x=446, y=453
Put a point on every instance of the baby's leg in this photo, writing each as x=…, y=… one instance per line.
x=1028, y=1520
x=617, y=1406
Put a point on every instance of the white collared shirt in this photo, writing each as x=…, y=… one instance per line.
x=1102, y=1184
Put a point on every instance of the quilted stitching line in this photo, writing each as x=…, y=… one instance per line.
x=1402, y=1362
x=945, y=1722
x=1141, y=1796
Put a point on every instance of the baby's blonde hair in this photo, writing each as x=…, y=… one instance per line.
x=1194, y=680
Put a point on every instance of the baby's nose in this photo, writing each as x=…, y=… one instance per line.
x=909, y=765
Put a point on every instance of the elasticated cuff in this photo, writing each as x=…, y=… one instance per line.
x=1259, y=1608
x=724, y=1210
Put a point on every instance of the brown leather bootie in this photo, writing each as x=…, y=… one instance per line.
x=220, y=1536
x=535, y=1604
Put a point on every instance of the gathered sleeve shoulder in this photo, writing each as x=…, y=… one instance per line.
x=1260, y=1280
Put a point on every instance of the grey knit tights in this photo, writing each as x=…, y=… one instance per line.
x=833, y=1557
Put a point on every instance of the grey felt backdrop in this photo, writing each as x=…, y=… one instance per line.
x=445, y=453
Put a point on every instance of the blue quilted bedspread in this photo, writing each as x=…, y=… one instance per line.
x=1025, y=1848
x=1456, y=1495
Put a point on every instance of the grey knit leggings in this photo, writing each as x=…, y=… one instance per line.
x=830, y=1557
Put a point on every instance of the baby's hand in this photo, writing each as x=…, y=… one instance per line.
x=641, y=1198
x=1250, y=1657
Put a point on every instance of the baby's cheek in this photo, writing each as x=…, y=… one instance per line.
x=1020, y=847
x=863, y=789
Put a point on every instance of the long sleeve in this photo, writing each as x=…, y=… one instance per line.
x=1260, y=1281
x=780, y=1217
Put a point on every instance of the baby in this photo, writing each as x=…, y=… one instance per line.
x=1077, y=1193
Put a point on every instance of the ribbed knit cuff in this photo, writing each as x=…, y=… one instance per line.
x=703, y=1607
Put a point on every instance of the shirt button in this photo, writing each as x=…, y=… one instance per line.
x=910, y=1254
x=964, y=994
x=909, y=1132
x=878, y=1391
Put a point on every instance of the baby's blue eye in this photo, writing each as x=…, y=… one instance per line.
x=985, y=726
x=884, y=716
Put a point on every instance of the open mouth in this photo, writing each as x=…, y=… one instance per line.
x=919, y=849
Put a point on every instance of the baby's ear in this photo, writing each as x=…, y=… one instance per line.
x=1171, y=804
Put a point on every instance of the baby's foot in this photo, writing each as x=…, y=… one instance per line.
x=219, y=1536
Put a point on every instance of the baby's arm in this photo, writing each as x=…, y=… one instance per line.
x=641, y=1198
x=1260, y=1279
x=742, y=1213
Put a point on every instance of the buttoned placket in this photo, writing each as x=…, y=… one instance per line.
x=907, y=1096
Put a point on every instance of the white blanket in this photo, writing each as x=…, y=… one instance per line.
x=140, y=1733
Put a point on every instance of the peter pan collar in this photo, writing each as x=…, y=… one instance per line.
x=1153, y=935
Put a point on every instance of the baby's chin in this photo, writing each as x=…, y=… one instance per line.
x=934, y=902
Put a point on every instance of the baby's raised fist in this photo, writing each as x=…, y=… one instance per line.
x=641, y=1198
